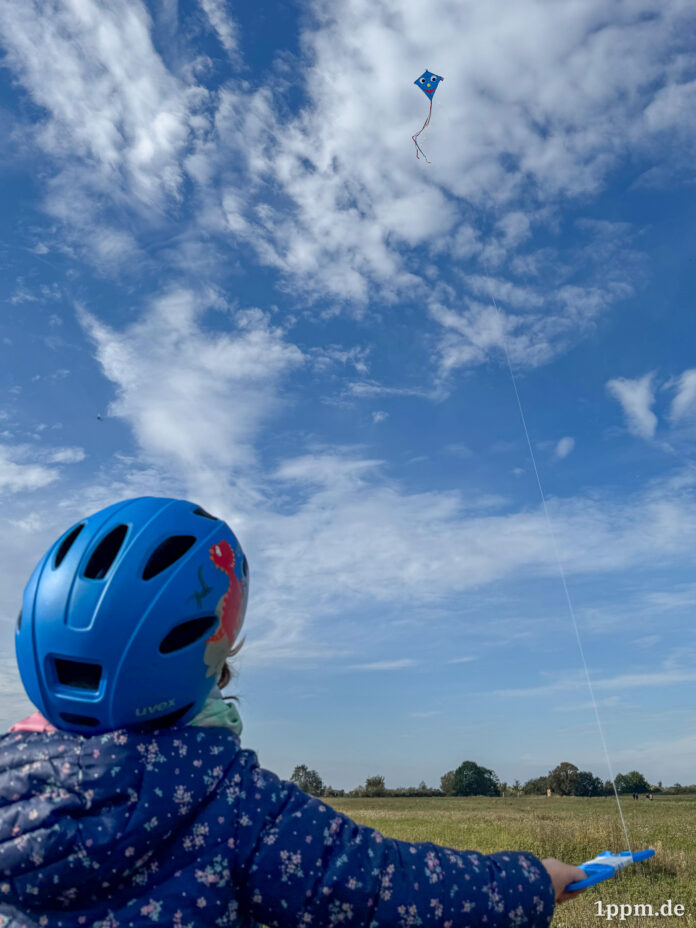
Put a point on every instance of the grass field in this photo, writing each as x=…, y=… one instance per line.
x=568, y=828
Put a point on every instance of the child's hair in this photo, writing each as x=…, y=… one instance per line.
x=229, y=672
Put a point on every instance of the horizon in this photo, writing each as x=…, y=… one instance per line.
x=228, y=278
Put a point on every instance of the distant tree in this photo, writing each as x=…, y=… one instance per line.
x=562, y=779
x=587, y=784
x=374, y=786
x=308, y=780
x=633, y=782
x=470, y=779
x=504, y=788
x=422, y=785
x=537, y=786
x=447, y=783
x=608, y=789
x=678, y=788
x=517, y=787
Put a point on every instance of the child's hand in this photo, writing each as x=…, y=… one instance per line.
x=561, y=875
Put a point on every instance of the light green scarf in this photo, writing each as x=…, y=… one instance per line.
x=219, y=713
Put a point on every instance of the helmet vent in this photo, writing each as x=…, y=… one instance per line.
x=105, y=553
x=181, y=636
x=78, y=674
x=66, y=544
x=167, y=554
x=19, y=621
x=200, y=511
x=86, y=721
x=245, y=567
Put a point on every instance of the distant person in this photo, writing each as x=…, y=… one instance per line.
x=127, y=799
x=548, y=793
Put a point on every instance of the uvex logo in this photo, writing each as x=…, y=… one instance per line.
x=158, y=707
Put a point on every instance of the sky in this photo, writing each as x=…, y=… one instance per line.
x=217, y=238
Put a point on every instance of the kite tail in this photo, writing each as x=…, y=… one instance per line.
x=424, y=126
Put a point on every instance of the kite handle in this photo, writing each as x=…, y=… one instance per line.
x=597, y=872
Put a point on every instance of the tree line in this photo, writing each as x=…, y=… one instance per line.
x=471, y=779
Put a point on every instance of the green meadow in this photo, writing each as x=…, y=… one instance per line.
x=572, y=829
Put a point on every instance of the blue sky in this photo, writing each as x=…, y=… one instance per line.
x=216, y=235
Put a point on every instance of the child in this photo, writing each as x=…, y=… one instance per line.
x=127, y=800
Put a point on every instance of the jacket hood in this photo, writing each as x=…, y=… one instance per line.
x=88, y=812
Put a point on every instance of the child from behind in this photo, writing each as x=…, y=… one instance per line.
x=127, y=800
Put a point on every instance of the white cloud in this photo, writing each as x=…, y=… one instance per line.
x=223, y=24
x=503, y=291
x=354, y=538
x=672, y=106
x=531, y=337
x=24, y=467
x=636, y=398
x=110, y=98
x=684, y=401
x=470, y=335
x=459, y=449
x=399, y=664
x=506, y=126
x=369, y=388
x=39, y=293
x=194, y=399
x=474, y=334
x=332, y=196
x=31, y=523
x=327, y=356
x=116, y=123
x=16, y=475
x=666, y=675
x=66, y=456
x=379, y=415
x=564, y=447
x=515, y=227
x=326, y=469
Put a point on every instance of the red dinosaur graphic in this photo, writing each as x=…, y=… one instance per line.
x=229, y=609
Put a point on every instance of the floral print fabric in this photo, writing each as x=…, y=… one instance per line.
x=183, y=829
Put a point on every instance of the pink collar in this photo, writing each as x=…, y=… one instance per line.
x=35, y=722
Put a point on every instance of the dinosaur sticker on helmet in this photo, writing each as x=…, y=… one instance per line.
x=201, y=594
x=229, y=610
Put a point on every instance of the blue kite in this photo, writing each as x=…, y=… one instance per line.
x=428, y=83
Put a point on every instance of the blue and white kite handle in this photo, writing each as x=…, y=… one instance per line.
x=606, y=865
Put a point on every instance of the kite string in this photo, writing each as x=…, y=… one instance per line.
x=561, y=571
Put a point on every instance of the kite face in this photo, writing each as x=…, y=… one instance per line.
x=428, y=82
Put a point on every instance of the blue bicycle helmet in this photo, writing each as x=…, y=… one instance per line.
x=127, y=620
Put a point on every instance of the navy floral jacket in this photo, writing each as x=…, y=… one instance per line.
x=183, y=829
